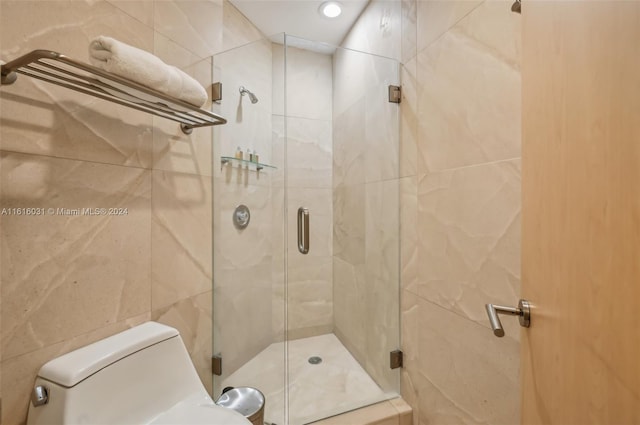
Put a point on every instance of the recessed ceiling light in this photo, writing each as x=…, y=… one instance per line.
x=330, y=9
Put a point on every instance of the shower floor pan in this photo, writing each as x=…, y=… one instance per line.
x=336, y=384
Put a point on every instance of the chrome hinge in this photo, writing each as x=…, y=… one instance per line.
x=216, y=92
x=396, y=359
x=216, y=364
x=395, y=94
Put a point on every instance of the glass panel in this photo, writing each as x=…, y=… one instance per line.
x=249, y=274
x=313, y=332
x=342, y=165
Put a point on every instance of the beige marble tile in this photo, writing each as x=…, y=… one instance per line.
x=405, y=413
x=409, y=120
x=435, y=17
x=378, y=30
x=195, y=25
x=466, y=117
x=309, y=153
x=309, y=85
x=237, y=30
x=469, y=238
x=382, y=136
x=366, y=131
x=278, y=73
x=141, y=10
x=381, y=274
x=495, y=26
x=174, y=54
x=181, y=232
x=366, y=281
x=349, y=224
x=382, y=230
x=193, y=319
x=19, y=373
x=242, y=314
x=408, y=233
x=383, y=413
x=473, y=377
x=67, y=274
x=349, y=145
x=310, y=296
x=44, y=119
x=278, y=264
x=409, y=30
x=357, y=74
x=309, y=158
x=349, y=311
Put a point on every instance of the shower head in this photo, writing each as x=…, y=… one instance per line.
x=515, y=7
x=252, y=97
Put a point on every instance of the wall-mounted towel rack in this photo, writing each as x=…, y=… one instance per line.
x=59, y=69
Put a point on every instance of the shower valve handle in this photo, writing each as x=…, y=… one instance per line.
x=523, y=311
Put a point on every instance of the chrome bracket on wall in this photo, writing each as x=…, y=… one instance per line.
x=396, y=359
x=216, y=365
x=395, y=94
x=216, y=92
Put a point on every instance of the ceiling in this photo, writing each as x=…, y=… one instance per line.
x=301, y=18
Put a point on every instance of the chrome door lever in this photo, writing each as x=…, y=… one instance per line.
x=523, y=311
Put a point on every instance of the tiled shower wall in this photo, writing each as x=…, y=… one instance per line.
x=460, y=200
x=67, y=280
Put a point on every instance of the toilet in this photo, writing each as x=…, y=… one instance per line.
x=143, y=375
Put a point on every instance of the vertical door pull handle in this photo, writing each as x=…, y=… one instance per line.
x=303, y=230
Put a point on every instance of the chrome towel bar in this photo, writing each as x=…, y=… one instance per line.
x=61, y=70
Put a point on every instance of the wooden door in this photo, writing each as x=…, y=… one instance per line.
x=581, y=212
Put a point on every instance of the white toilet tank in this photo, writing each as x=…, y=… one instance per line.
x=141, y=376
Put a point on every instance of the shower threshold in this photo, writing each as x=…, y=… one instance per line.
x=336, y=384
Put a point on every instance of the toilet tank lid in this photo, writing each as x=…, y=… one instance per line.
x=73, y=367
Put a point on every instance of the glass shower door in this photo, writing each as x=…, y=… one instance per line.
x=249, y=274
x=342, y=148
x=311, y=330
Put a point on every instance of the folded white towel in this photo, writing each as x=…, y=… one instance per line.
x=146, y=69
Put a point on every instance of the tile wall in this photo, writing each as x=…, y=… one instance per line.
x=66, y=280
x=460, y=209
x=459, y=184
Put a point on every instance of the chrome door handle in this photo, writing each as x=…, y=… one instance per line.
x=303, y=230
x=523, y=311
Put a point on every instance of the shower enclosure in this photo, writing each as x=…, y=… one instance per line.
x=311, y=150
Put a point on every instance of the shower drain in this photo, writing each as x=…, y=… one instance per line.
x=315, y=360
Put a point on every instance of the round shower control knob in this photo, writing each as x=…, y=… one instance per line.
x=241, y=216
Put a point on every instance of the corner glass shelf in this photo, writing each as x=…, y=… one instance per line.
x=244, y=162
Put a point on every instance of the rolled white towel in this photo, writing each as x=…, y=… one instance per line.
x=144, y=68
